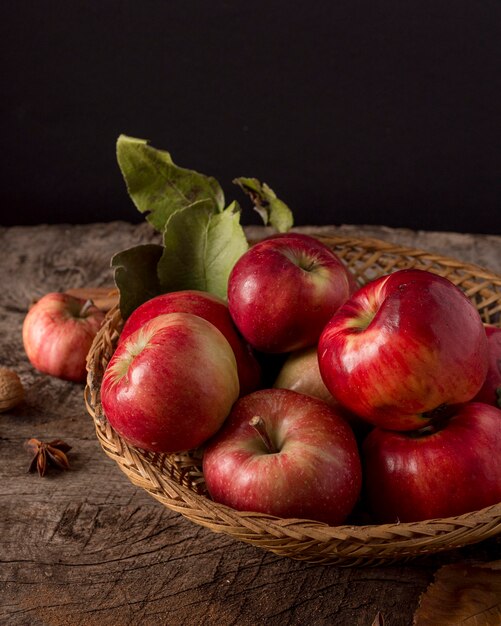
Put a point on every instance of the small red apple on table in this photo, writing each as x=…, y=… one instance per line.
x=170, y=384
x=403, y=349
x=448, y=468
x=210, y=308
x=285, y=454
x=58, y=332
x=284, y=289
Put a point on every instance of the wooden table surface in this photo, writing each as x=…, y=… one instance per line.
x=87, y=547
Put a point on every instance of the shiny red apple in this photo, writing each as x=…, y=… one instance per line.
x=446, y=469
x=210, y=308
x=284, y=289
x=58, y=332
x=404, y=348
x=170, y=385
x=285, y=454
x=490, y=393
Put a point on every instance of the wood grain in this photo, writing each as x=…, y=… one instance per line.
x=85, y=547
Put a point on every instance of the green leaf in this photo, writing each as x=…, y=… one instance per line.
x=201, y=249
x=273, y=211
x=136, y=275
x=158, y=187
x=498, y=397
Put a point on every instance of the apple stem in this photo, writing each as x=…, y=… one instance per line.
x=85, y=307
x=258, y=423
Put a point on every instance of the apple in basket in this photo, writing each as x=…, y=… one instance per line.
x=285, y=454
x=490, y=393
x=212, y=309
x=284, y=289
x=58, y=332
x=445, y=469
x=404, y=348
x=169, y=385
x=300, y=372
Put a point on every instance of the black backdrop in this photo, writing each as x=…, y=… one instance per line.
x=382, y=112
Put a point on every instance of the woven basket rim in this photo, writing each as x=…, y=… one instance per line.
x=384, y=542
x=395, y=248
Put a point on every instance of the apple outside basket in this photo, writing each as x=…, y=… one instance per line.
x=176, y=480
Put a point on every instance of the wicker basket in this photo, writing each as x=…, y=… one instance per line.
x=177, y=481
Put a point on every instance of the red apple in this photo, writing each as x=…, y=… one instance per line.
x=404, y=348
x=169, y=386
x=300, y=372
x=441, y=471
x=212, y=309
x=58, y=331
x=490, y=393
x=284, y=454
x=284, y=289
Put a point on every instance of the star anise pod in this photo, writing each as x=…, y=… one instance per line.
x=48, y=453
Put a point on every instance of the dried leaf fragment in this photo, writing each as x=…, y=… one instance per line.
x=462, y=594
x=104, y=298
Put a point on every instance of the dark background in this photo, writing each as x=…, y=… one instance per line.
x=353, y=112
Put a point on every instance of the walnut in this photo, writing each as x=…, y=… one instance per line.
x=11, y=389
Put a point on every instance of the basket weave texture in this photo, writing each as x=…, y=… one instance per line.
x=177, y=481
